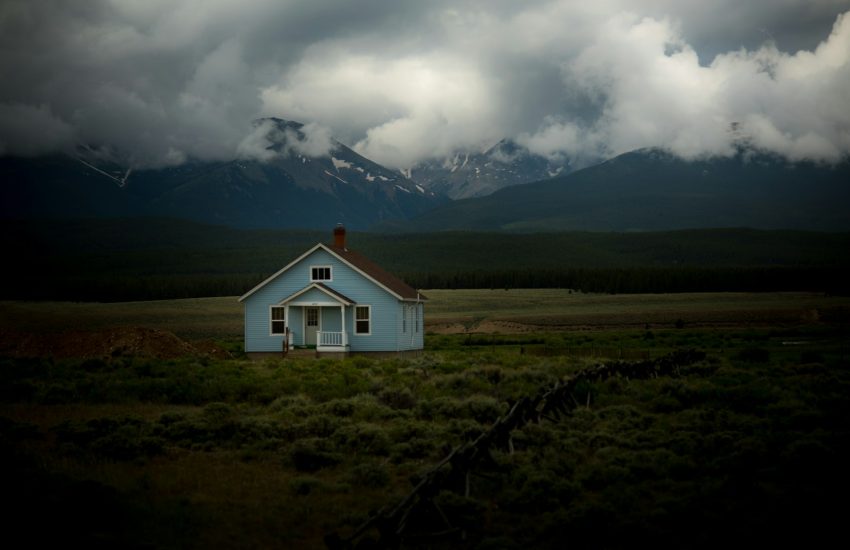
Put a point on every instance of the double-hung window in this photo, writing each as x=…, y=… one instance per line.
x=320, y=273
x=363, y=320
x=278, y=319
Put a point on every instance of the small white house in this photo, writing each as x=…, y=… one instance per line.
x=336, y=301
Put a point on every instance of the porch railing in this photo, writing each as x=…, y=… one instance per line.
x=332, y=339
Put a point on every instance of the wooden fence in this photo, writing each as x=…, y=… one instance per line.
x=388, y=528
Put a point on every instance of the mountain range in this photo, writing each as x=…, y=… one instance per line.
x=651, y=190
x=466, y=174
x=285, y=189
x=288, y=184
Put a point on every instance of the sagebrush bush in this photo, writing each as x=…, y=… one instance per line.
x=370, y=474
x=362, y=438
x=398, y=398
x=119, y=438
x=311, y=455
x=304, y=485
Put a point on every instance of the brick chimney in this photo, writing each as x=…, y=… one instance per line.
x=339, y=236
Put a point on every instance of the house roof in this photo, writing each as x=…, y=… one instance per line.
x=359, y=263
x=378, y=274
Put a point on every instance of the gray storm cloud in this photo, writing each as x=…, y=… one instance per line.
x=162, y=81
x=268, y=141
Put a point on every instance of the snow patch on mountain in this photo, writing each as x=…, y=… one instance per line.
x=466, y=174
x=339, y=163
x=336, y=177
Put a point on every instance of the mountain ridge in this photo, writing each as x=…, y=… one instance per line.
x=468, y=174
x=651, y=189
x=282, y=187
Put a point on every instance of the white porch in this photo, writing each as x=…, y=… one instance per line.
x=332, y=341
x=315, y=317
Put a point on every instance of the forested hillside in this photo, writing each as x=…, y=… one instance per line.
x=126, y=259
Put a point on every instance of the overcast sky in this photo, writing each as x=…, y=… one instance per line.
x=403, y=80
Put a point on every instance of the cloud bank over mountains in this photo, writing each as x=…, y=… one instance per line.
x=164, y=81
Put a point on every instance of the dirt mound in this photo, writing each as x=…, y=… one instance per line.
x=483, y=326
x=112, y=342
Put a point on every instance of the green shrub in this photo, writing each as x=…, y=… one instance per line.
x=15, y=431
x=319, y=425
x=370, y=474
x=754, y=355
x=218, y=413
x=534, y=490
x=481, y=408
x=811, y=356
x=120, y=438
x=362, y=438
x=296, y=405
x=304, y=485
x=309, y=455
x=416, y=447
x=397, y=398
x=339, y=407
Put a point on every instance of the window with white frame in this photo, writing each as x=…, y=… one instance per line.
x=278, y=319
x=363, y=320
x=320, y=273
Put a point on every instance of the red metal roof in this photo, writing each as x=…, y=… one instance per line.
x=377, y=273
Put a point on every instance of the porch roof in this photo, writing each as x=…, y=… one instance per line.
x=337, y=296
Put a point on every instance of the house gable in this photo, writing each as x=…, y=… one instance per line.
x=365, y=267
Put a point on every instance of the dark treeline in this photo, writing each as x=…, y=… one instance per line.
x=647, y=279
x=97, y=288
x=597, y=280
x=148, y=259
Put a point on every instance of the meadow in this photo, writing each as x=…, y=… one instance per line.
x=747, y=445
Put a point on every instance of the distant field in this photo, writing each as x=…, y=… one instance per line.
x=563, y=308
x=452, y=311
x=191, y=318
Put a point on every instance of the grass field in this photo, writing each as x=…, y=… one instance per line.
x=536, y=309
x=749, y=445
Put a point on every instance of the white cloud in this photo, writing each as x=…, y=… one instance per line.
x=403, y=81
x=312, y=140
x=268, y=140
x=258, y=145
x=411, y=108
x=654, y=92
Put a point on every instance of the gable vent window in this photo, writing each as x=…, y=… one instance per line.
x=320, y=273
x=362, y=319
x=278, y=320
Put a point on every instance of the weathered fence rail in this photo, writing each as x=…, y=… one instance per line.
x=452, y=472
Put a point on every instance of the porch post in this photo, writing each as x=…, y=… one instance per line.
x=286, y=321
x=342, y=314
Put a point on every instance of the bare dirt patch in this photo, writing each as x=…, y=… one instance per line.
x=110, y=342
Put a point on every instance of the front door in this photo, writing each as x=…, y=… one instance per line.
x=311, y=325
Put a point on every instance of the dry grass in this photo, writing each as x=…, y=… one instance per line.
x=557, y=307
x=481, y=310
x=191, y=319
